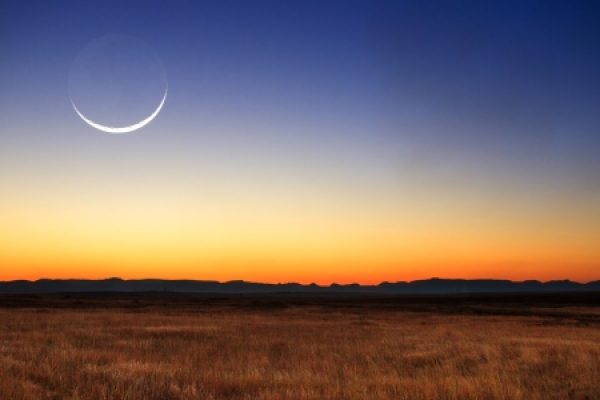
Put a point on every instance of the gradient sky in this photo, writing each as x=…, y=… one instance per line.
x=349, y=141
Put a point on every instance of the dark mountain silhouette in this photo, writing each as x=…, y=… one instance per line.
x=428, y=286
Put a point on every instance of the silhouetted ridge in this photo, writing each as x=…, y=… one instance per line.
x=428, y=286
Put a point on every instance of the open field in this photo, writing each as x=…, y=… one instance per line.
x=284, y=347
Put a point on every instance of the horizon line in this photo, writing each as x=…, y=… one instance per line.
x=333, y=283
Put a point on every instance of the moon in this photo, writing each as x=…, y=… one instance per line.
x=122, y=129
x=117, y=84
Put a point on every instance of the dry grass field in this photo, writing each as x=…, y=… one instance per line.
x=76, y=348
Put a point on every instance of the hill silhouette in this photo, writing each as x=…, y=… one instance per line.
x=427, y=286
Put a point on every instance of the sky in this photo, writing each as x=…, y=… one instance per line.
x=307, y=141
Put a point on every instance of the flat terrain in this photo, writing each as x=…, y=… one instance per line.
x=157, y=346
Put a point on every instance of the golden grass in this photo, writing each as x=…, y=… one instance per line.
x=293, y=353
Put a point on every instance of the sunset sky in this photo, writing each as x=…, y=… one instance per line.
x=309, y=141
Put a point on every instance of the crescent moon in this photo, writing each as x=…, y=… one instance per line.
x=123, y=129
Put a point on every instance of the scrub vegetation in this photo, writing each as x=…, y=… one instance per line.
x=153, y=347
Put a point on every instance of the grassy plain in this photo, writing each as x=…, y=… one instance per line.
x=278, y=347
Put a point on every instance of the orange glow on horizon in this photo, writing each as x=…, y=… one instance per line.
x=273, y=234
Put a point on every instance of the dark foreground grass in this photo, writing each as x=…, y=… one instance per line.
x=161, y=347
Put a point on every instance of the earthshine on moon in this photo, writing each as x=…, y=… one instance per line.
x=117, y=84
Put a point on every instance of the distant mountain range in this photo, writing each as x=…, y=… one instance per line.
x=428, y=286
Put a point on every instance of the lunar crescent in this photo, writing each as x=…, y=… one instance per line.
x=124, y=129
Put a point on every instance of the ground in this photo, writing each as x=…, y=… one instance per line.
x=153, y=346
